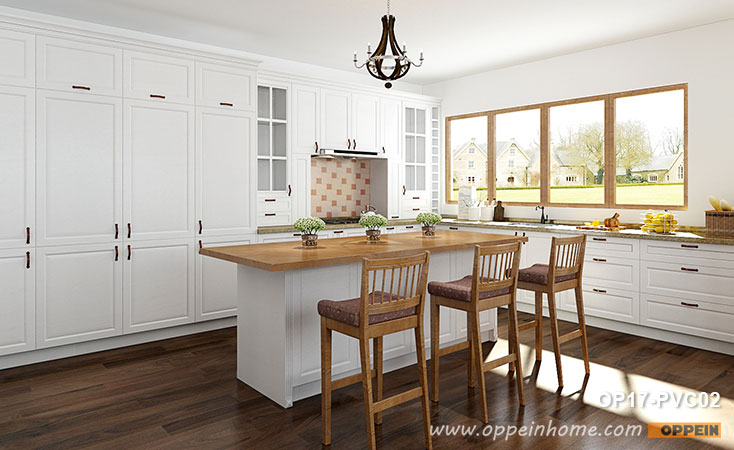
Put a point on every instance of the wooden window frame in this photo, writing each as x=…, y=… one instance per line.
x=610, y=162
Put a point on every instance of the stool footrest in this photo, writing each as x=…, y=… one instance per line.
x=489, y=365
x=570, y=336
x=453, y=348
x=527, y=325
x=347, y=381
x=396, y=400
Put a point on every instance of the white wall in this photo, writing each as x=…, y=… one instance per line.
x=701, y=56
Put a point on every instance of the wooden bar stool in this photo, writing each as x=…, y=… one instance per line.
x=392, y=299
x=493, y=283
x=563, y=272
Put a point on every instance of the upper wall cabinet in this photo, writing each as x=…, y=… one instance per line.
x=306, y=122
x=365, y=123
x=160, y=78
x=336, y=109
x=80, y=67
x=225, y=87
x=18, y=56
x=391, y=117
x=17, y=166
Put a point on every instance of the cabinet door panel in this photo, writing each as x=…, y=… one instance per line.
x=79, y=294
x=159, y=170
x=227, y=87
x=79, y=168
x=18, y=300
x=225, y=199
x=335, y=122
x=301, y=173
x=18, y=54
x=159, y=78
x=17, y=166
x=365, y=122
x=390, y=117
x=79, y=67
x=159, y=285
x=306, y=119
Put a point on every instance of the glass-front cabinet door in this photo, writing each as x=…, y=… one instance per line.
x=272, y=154
x=416, y=192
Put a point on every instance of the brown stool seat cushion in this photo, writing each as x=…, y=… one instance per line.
x=461, y=289
x=347, y=311
x=538, y=274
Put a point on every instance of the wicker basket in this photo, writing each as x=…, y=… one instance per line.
x=720, y=223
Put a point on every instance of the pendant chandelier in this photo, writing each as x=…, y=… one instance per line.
x=388, y=62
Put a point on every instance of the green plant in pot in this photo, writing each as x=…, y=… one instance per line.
x=309, y=228
x=373, y=224
x=428, y=220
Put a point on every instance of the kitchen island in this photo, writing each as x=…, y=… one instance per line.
x=279, y=285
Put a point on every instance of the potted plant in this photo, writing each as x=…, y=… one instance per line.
x=428, y=220
x=373, y=223
x=309, y=228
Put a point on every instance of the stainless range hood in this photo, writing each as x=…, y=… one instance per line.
x=328, y=153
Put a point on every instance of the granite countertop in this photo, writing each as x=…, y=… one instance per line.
x=289, y=229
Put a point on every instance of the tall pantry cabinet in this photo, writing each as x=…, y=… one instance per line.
x=117, y=164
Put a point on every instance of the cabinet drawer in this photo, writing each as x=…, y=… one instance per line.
x=607, y=246
x=273, y=204
x=614, y=304
x=225, y=87
x=612, y=272
x=159, y=78
x=265, y=218
x=17, y=52
x=701, y=283
x=690, y=252
x=691, y=317
x=79, y=67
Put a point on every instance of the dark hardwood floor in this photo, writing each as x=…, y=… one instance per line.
x=182, y=393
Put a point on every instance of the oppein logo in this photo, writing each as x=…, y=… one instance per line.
x=683, y=430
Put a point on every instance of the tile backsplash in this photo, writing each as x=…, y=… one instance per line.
x=339, y=187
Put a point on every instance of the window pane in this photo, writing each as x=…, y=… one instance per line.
x=420, y=178
x=409, y=120
x=279, y=104
x=263, y=139
x=279, y=175
x=263, y=175
x=468, y=155
x=279, y=148
x=420, y=121
x=420, y=149
x=577, y=153
x=263, y=102
x=410, y=149
x=650, y=149
x=410, y=177
x=518, y=156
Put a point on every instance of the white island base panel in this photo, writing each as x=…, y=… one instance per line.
x=279, y=328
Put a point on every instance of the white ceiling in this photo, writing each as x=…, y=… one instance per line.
x=459, y=37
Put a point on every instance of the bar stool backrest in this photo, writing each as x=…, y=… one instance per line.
x=495, y=268
x=567, y=257
x=393, y=284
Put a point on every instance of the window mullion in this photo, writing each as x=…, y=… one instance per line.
x=545, y=163
x=610, y=155
x=491, y=157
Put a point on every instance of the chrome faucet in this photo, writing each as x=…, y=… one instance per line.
x=543, y=215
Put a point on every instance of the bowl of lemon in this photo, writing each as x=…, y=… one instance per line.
x=660, y=222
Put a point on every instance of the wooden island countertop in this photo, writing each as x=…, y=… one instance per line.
x=280, y=256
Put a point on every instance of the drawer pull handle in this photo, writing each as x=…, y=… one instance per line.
x=83, y=88
x=599, y=259
x=349, y=144
x=201, y=245
x=383, y=149
x=296, y=234
x=117, y=231
x=317, y=146
x=693, y=305
x=409, y=227
x=269, y=199
x=117, y=253
x=201, y=227
x=601, y=291
x=416, y=198
x=394, y=217
x=339, y=232
x=515, y=233
x=454, y=228
x=28, y=235
x=404, y=190
x=269, y=214
x=27, y=260
x=390, y=228
x=162, y=97
x=129, y=252
x=686, y=269
x=600, y=239
x=129, y=230
x=688, y=246
x=226, y=104
x=290, y=190
x=416, y=209
x=355, y=144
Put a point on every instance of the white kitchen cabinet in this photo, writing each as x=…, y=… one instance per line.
x=301, y=182
x=158, y=284
x=17, y=166
x=612, y=272
x=158, y=78
x=607, y=303
x=686, y=280
x=79, y=168
x=709, y=320
x=80, y=67
x=366, y=123
x=416, y=157
x=336, y=123
x=159, y=170
x=79, y=293
x=306, y=119
x=216, y=280
x=18, y=54
x=225, y=171
x=227, y=87
x=279, y=237
x=346, y=232
x=18, y=300
x=391, y=114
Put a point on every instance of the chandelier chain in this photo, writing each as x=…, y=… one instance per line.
x=388, y=8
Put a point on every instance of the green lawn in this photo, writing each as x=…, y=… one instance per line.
x=645, y=194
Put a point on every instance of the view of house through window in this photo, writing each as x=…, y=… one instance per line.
x=518, y=156
x=650, y=149
x=468, y=155
x=577, y=153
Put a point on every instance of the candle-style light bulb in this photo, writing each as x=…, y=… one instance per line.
x=369, y=47
x=421, y=54
x=405, y=48
x=355, y=56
